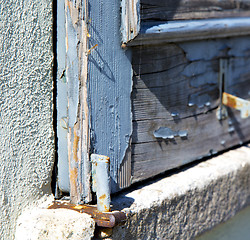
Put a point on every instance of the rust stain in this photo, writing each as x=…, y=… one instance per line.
x=67, y=42
x=73, y=176
x=75, y=143
x=103, y=197
x=101, y=218
x=229, y=100
x=107, y=209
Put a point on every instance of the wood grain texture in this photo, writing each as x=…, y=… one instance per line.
x=130, y=19
x=110, y=86
x=167, y=10
x=78, y=109
x=176, y=86
x=206, y=136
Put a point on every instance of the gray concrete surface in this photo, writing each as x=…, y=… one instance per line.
x=182, y=205
x=26, y=131
x=40, y=223
x=185, y=204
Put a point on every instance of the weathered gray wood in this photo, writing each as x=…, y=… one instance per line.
x=180, y=31
x=168, y=78
x=167, y=10
x=159, y=58
x=130, y=19
x=181, y=93
x=206, y=136
x=174, y=95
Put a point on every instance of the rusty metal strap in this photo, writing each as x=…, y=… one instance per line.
x=102, y=219
x=237, y=103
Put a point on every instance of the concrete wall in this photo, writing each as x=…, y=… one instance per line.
x=26, y=131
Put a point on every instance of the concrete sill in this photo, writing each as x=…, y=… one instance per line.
x=180, y=206
x=186, y=204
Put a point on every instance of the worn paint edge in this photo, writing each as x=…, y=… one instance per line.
x=179, y=31
x=130, y=19
x=78, y=111
x=61, y=101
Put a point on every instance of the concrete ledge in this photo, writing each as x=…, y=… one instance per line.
x=186, y=204
x=40, y=223
x=180, y=206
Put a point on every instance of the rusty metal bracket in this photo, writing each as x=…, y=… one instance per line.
x=227, y=99
x=102, y=219
x=237, y=103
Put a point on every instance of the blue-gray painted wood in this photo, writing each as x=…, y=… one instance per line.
x=179, y=31
x=72, y=72
x=130, y=19
x=110, y=85
x=62, y=101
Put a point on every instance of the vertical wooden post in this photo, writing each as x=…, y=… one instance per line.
x=78, y=118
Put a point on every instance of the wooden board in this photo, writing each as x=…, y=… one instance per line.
x=176, y=87
x=206, y=136
x=167, y=10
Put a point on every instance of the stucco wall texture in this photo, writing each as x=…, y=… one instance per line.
x=26, y=130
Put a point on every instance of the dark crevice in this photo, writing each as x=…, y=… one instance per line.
x=54, y=75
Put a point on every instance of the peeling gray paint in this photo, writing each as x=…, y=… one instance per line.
x=110, y=85
x=237, y=50
x=233, y=47
x=167, y=133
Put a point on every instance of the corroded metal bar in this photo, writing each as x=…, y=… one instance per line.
x=237, y=103
x=102, y=219
x=101, y=181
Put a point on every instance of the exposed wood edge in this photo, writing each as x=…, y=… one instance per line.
x=84, y=105
x=124, y=173
x=180, y=31
x=76, y=75
x=130, y=19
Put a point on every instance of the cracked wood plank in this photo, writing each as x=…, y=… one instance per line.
x=176, y=88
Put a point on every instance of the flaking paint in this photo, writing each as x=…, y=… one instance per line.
x=110, y=85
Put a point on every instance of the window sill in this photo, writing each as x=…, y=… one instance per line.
x=190, y=202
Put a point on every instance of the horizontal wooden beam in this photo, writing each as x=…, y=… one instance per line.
x=180, y=31
x=171, y=10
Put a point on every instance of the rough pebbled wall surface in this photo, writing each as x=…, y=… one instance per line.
x=26, y=131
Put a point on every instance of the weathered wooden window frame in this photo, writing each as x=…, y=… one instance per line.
x=134, y=33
